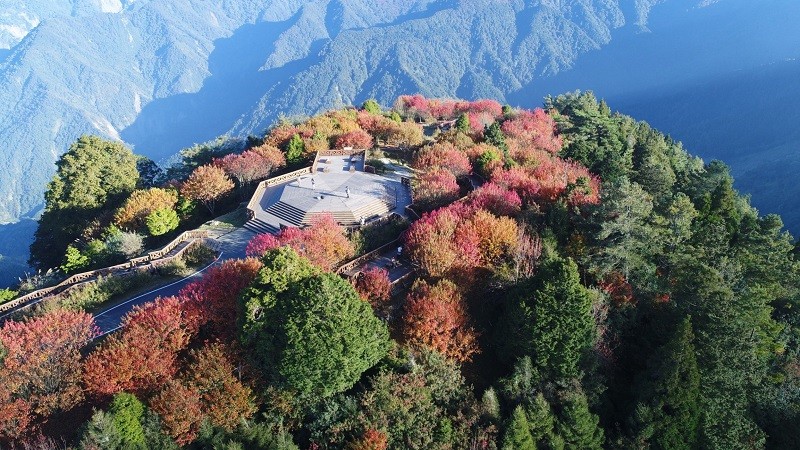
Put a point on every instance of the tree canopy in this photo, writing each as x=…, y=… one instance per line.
x=308, y=328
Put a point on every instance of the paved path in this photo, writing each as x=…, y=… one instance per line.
x=397, y=268
x=231, y=244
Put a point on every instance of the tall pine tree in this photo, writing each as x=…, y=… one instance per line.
x=550, y=320
x=518, y=433
x=577, y=426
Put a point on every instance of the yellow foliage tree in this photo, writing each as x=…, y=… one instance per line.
x=133, y=214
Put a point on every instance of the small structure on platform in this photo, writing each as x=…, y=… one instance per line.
x=335, y=184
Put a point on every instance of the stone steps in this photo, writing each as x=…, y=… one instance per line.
x=260, y=227
x=287, y=213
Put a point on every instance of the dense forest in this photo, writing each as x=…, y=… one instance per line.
x=601, y=288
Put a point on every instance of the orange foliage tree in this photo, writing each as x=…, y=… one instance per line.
x=249, y=166
x=372, y=439
x=552, y=179
x=374, y=286
x=460, y=237
x=616, y=286
x=435, y=318
x=378, y=126
x=419, y=107
x=405, y=135
x=273, y=156
x=358, y=139
x=444, y=155
x=496, y=199
x=535, y=129
x=180, y=409
x=281, y=134
x=207, y=184
x=133, y=214
x=435, y=187
x=143, y=355
x=41, y=367
x=225, y=400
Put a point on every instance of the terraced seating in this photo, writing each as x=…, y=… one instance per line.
x=287, y=213
x=260, y=227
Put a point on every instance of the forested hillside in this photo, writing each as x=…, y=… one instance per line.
x=601, y=289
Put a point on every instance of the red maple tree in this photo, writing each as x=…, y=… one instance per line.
x=212, y=300
x=143, y=355
x=358, y=139
x=41, y=367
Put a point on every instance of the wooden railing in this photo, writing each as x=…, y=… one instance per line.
x=185, y=236
x=154, y=263
x=82, y=277
x=366, y=257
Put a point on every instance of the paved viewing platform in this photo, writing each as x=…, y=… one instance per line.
x=339, y=186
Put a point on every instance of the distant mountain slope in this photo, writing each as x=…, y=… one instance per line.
x=469, y=49
x=19, y=17
x=94, y=72
x=748, y=119
x=163, y=74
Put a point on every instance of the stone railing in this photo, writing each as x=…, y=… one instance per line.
x=347, y=151
x=252, y=205
x=280, y=179
x=346, y=267
x=84, y=276
x=106, y=271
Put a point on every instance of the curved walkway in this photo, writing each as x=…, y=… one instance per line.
x=109, y=320
x=231, y=246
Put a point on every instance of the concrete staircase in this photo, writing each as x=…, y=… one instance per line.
x=260, y=227
x=372, y=209
x=287, y=213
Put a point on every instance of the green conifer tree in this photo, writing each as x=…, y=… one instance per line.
x=550, y=320
x=672, y=394
x=542, y=422
x=518, y=434
x=462, y=123
x=295, y=150
x=127, y=413
x=577, y=426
